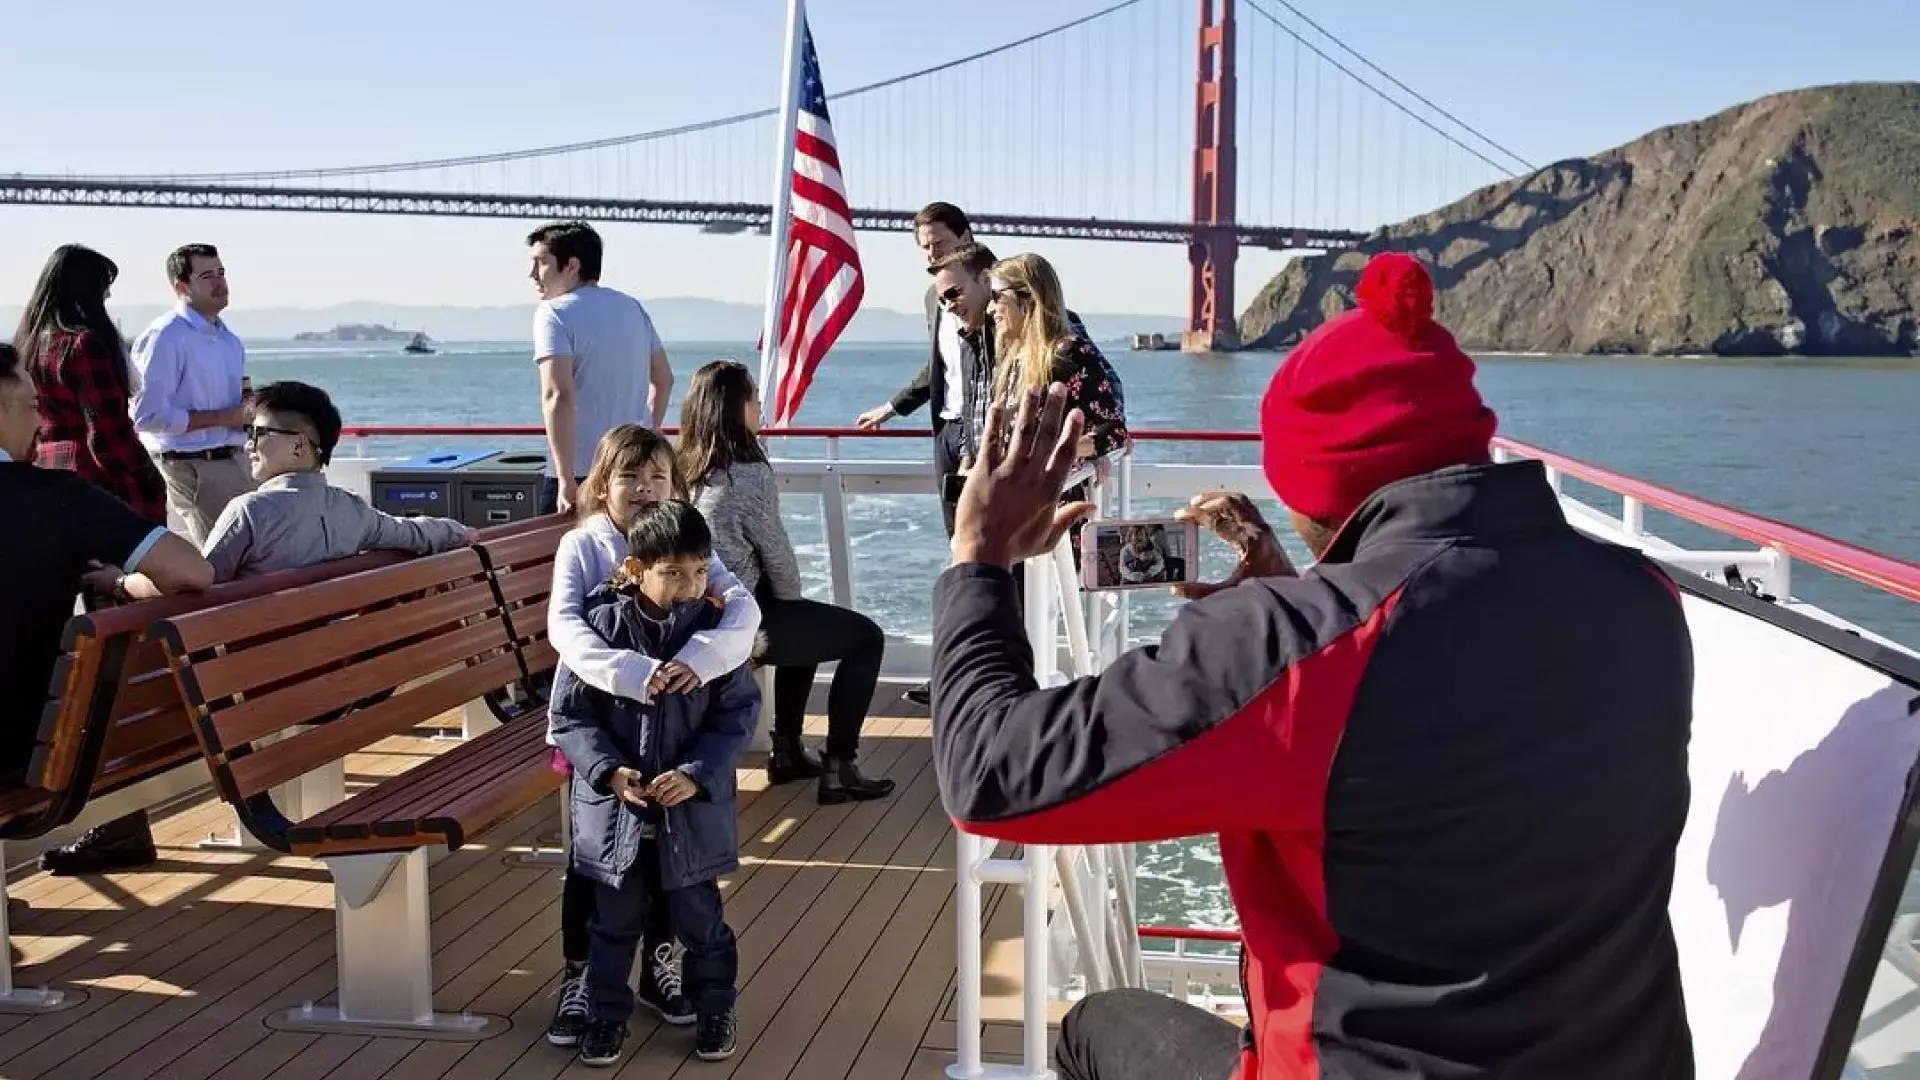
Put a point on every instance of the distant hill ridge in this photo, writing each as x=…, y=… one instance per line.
x=678, y=319
x=1790, y=224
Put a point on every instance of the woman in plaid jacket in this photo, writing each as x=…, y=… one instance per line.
x=79, y=368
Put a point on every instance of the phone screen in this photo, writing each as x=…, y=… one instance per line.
x=1136, y=554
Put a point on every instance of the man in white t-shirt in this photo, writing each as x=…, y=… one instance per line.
x=601, y=363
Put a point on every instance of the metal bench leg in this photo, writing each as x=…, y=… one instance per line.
x=475, y=719
x=380, y=919
x=763, y=731
x=12, y=998
x=555, y=853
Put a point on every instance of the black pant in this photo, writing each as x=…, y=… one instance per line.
x=549, y=498
x=619, y=919
x=949, y=447
x=577, y=905
x=796, y=637
x=1141, y=1035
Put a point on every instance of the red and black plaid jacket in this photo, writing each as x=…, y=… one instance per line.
x=86, y=424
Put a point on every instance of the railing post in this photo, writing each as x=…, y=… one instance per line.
x=1033, y=1011
x=833, y=510
x=966, y=918
x=1633, y=517
x=1780, y=577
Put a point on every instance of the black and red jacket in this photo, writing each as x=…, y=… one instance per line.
x=1447, y=767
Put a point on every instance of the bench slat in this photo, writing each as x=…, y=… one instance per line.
x=532, y=583
x=459, y=794
x=531, y=546
x=75, y=678
x=281, y=761
x=306, y=699
x=394, y=798
x=271, y=662
x=228, y=624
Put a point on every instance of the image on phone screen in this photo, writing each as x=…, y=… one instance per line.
x=1137, y=554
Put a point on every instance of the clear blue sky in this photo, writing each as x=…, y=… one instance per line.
x=125, y=86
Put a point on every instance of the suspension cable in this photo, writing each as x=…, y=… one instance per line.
x=1384, y=96
x=617, y=140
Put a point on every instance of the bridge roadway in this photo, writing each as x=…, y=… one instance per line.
x=18, y=189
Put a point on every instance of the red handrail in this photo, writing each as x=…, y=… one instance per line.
x=1884, y=572
x=1188, y=933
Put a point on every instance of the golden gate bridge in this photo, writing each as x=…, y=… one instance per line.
x=1261, y=130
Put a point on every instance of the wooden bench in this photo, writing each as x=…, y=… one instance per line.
x=114, y=736
x=373, y=654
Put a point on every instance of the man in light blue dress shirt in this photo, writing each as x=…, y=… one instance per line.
x=188, y=404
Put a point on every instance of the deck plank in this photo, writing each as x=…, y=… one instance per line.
x=843, y=915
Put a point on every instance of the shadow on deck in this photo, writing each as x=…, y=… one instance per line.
x=843, y=916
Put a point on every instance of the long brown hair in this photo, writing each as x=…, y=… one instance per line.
x=625, y=449
x=70, y=296
x=1041, y=328
x=713, y=422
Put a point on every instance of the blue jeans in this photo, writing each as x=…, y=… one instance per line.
x=712, y=960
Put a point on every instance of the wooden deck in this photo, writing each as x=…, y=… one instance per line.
x=843, y=916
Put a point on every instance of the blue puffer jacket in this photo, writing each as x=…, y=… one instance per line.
x=702, y=732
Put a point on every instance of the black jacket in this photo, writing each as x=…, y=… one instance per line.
x=1447, y=767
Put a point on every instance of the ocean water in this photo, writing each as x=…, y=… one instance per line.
x=1827, y=445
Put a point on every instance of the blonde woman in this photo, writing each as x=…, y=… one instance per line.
x=1039, y=345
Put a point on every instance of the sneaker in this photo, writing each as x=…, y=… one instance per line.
x=660, y=987
x=601, y=1044
x=715, y=1039
x=570, y=1019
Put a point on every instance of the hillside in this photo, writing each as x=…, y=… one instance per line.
x=1790, y=224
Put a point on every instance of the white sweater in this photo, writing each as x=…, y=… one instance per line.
x=586, y=558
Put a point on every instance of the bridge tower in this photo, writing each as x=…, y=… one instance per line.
x=1211, y=318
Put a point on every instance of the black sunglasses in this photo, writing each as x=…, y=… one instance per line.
x=256, y=431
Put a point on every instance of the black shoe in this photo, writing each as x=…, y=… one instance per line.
x=841, y=781
x=121, y=844
x=789, y=761
x=601, y=1044
x=920, y=695
x=715, y=1039
x=570, y=1019
x=660, y=986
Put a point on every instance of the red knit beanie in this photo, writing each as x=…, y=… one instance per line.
x=1375, y=395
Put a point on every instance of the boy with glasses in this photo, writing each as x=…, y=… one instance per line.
x=295, y=518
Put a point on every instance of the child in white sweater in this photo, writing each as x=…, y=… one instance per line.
x=633, y=469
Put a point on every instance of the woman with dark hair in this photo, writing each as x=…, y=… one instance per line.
x=78, y=363
x=727, y=471
x=73, y=353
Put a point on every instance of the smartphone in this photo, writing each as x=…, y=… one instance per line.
x=1149, y=553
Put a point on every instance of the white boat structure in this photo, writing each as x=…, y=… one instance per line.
x=876, y=943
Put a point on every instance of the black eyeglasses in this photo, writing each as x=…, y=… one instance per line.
x=951, y=295
x=256, y=431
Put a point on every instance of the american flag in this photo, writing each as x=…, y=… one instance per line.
x=824, y=284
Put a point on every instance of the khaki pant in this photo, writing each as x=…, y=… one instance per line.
x=199, y=488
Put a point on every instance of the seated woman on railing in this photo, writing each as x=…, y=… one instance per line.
x=727, y=471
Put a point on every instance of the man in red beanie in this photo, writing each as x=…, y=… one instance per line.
x=1447, y=765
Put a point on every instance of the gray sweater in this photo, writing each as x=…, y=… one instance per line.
x=742, y=507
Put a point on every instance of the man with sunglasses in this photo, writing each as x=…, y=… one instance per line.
x=295, y=518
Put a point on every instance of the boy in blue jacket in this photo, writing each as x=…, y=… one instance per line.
x=653, y=786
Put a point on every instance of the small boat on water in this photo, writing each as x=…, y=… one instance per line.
x=418, y=344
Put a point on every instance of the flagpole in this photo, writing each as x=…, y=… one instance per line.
x=782, y=207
